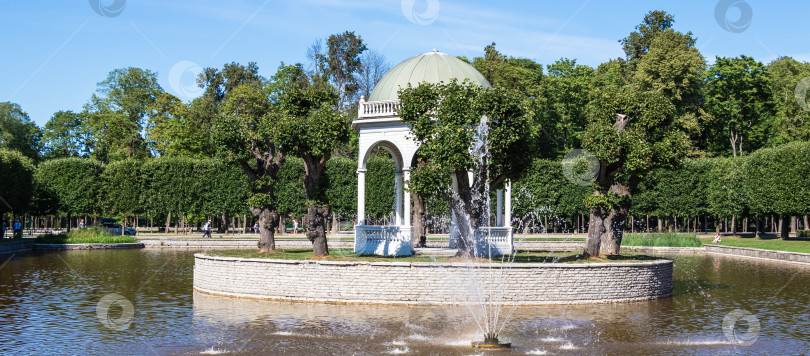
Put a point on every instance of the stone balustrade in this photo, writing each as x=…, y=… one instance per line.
x=383, y=240
x=381, y=108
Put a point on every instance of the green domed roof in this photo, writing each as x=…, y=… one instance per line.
x=431, y=67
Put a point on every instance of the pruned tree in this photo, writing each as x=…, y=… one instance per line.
x=456, y=122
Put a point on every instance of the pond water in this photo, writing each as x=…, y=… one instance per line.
x=49, y=303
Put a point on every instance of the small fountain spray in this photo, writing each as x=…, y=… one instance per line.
x=489, y=317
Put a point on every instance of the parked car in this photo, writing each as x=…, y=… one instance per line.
x=115, y=229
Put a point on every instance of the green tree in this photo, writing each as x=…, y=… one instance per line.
x=119, y=111
x=523, y=75
x=561, y=105
x=65, y=135
x=307, y=125
x=638, y=43
x=738, y=96
x=16, y=187
x=630, y=132
x=243, y=134
x=791, y=119
x=18, y=132
x=339, y=66
x=448, y=120
x=171, y=132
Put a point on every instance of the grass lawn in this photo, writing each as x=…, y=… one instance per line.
x=92, y=235
x=662, y=240
x=766, y=244
x=349, y=255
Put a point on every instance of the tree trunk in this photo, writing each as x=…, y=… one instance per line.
x=314, y=222
x=758, y=230
x=168, y=222
x=268, y=221
x=745, y=224
x=807, y=222
x=784, y=228
x=734, y=224
x=244, y=224
x=419, y=239
x=335, y=223
x=605, y=232
x=282, y=224
x=660, y=224
x=793, y=224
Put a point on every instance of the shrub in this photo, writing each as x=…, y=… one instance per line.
x=84, y=236
x=802, y=233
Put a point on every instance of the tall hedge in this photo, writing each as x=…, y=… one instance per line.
x=380, y=186
x=341, y=185
x=290, y=195
x=16, y=184
x=777, y=180
x=75, y=184
x=122, y=188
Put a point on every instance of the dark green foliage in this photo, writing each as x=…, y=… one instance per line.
x=122, y=188
x=738, y=96
x=380, y=195
x=544, y=190
x=290, y=195
x=341, y=184
x=16, y=185
x=74, y=182
x=18, y=132
x=169, y=185
x=84, y=236
x=777, y=180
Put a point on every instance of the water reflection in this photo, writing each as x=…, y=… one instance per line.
x=48, y=304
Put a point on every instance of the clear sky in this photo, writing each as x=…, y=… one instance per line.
x=54, y=52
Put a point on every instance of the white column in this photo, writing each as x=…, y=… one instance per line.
x=407, y=207
x=361, y=196
x=508, y=208
x=398, y=203
x=499, y=208
x=455, y=190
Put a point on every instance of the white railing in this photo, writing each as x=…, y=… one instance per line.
x=382, y=240
x=377, y=108
x=489, y=240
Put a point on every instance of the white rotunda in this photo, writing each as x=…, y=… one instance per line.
x=379, y=125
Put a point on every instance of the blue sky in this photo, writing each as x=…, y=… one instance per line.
x=56, y=51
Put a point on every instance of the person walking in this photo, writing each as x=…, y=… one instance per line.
x=207, y=229
x=295, y=226
x=17, y=229
x=256, y=227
